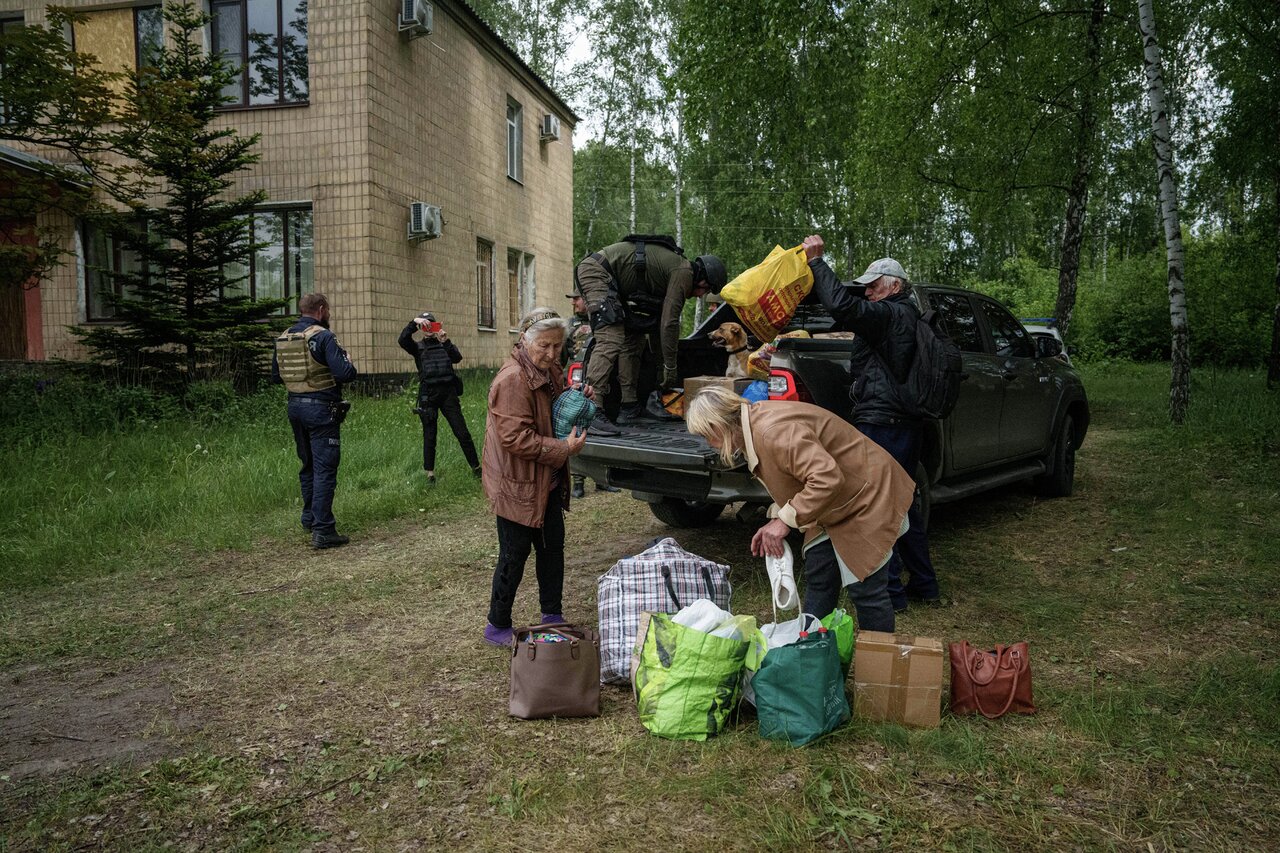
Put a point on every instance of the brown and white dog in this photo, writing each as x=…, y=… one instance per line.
x=733, y=339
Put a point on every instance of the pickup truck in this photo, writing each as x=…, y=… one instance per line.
x=1021, y=414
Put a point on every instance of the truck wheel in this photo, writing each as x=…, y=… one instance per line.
x=680, y=513
x=1059, y=480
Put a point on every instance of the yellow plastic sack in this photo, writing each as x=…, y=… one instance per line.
x=765, y=297
x=758, y=362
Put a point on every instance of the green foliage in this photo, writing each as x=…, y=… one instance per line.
x=181, y=315
x=101, y=479
x=53, y=96
x=42, y=407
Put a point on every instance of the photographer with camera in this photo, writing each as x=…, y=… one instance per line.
x=312, y=366
x=439, y=388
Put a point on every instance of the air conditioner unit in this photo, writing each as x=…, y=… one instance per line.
x=550, y=128
x=416, y=17
x=425, y=222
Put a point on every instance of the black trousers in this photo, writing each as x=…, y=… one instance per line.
x=442, y=399
x=870, y=596
x=514, y=543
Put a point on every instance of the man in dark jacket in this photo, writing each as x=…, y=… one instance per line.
x=439, y=388
x=313, y=367
x=629, y=302
x=884, y=321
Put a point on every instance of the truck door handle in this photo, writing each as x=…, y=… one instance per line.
x=1008, y=375
x=964, y=377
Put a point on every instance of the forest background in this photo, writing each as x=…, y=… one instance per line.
x=1004, y=146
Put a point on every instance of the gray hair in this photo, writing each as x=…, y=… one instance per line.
x=541, y=320
x=904, y=286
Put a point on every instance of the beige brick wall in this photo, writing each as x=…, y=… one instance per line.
x=392, y=121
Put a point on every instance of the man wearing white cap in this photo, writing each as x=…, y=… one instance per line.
x=884, y=320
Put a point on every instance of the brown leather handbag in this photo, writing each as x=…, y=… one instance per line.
x=991, y=683
x=555, y=679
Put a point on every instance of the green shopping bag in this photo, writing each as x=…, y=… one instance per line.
x=687, y=682
x=800, y=690
x=840, y=623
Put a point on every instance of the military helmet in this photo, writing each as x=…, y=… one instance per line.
x=712, y=272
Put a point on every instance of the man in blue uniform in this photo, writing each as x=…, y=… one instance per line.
x=313, y=367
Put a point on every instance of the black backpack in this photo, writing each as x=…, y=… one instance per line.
x=933, y=380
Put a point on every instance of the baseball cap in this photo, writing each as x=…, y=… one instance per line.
x=572, y=295
x=884, y=266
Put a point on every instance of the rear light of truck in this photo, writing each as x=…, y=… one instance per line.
x=575, y=373
x=785, y=385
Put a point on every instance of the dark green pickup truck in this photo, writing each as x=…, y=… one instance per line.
x=1022, y=413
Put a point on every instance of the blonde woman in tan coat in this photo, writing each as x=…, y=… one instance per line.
x=827, y=479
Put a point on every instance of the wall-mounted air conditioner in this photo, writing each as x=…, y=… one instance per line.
x=416, y=17
x=550, y=128
x=425, y=222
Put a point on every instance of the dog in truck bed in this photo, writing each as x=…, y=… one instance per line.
x=732, y=338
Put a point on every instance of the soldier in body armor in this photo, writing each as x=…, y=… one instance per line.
x=313, y=367
x=635, y=290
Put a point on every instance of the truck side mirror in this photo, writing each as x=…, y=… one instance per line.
x=1048, y=346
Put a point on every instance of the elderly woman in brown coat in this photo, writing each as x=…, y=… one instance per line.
x=526, y=470
x=827, y=479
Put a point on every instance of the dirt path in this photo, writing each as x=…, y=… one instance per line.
x=344, y=700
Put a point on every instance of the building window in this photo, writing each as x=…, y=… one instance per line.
x=486, y=317
x=7, y=26
x=107, y=265
x=522, y=292
x=148, y=35
x=283, y=265
x=121, y=38
x=515, y=141
x=267, y=44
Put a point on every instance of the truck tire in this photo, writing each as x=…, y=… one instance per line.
x=1059, y=480
x=680, y=513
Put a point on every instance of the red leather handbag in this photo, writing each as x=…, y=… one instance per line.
x=991, y=683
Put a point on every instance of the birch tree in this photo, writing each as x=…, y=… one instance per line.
x=1180, y=379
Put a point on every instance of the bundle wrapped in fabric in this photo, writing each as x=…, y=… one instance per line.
x=687, y=680
x=571, y=409
x=765, y=297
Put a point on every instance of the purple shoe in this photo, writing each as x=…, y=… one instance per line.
x=498, y=636
x=551, y=618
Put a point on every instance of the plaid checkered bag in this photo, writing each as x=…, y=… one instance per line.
x=571, y=409
x=662, y=579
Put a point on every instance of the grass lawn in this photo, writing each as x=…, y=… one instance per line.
x=179, y=669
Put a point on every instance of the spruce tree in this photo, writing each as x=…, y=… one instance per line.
x=183, y=315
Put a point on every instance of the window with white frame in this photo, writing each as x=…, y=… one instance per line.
x=522, y=291
x=515, y=140
x=283, y=265
x=486, y=316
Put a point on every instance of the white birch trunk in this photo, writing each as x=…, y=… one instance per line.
x=1180, y=378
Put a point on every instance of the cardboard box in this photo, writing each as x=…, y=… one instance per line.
x=897, y=678
x=694, y=384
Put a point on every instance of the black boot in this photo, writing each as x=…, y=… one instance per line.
x=629, y=413
x=320, y=540
x=603, y=426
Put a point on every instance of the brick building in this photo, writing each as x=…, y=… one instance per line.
x=361, y=114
